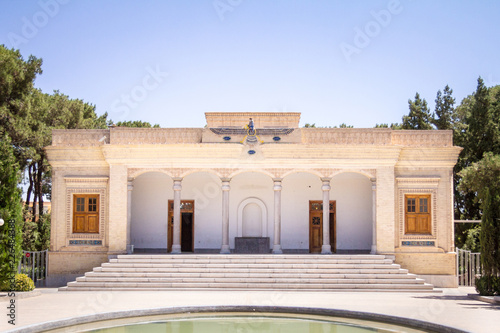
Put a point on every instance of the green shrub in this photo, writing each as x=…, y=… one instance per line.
x=488, y=285
x=24, y=283
x=472, y=242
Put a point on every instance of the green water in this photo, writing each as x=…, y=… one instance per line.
x=242, y=324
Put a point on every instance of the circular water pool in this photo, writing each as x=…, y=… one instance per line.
x=237, y=322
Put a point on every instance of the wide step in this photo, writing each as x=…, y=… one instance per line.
x=250, y=272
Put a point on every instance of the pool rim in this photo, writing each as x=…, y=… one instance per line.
x=348, y=314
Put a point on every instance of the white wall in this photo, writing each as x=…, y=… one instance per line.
x=351, y=191
x=297, y=190
x=250, y=185
x=353, y=194
x=150, y=197
x=205, y=189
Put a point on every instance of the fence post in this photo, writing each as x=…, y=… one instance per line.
x=468, y=266
x=37, y=262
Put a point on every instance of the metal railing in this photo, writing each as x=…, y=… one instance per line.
x=34, y=264
x=468, y=267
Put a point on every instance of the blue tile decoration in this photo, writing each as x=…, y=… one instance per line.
x=85, y=242
x=227, y=138
x=418, y=243
x=251, y=152
x=276, y=138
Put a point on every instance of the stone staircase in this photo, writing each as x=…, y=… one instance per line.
x=250, y=272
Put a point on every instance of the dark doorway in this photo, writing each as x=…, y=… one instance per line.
x=187, y=232
x=187, y=225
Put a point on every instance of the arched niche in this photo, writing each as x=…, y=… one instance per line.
x=252, y=211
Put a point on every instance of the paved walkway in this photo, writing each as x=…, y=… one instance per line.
x=451, y=308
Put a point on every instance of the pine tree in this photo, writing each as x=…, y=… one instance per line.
x=419, y=116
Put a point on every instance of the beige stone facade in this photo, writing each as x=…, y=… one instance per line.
x=225, y=166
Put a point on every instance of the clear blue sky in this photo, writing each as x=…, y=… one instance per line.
x=168, y=62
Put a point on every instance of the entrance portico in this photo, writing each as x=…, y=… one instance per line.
x=249, y=204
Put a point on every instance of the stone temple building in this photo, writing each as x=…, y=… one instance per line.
x=253, y=183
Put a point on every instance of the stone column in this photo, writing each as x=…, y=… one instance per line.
x=176, y=243
x=374, y=216
x=277, y=216
x=326, y=248
x=130, y=187
x=386, y=196
x=117, y=225
x=225, y=216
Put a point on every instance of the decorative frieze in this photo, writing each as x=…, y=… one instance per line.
x=136, y=136
x=346, y=136
x=377, y=136
x=417, y=138
x=421, y=182
x=79, y=137
x=77, y=181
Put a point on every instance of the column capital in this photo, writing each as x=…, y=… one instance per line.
x=277, y=184
x=225, y=180
x=177, y=184
x=225, y=186
x=325, y=179
x=374, y=183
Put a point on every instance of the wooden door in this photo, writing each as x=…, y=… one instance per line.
x=316, y=226
x=186, y=221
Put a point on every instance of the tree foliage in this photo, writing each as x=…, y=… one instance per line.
x=419, y=117
x=444, y=111
x=477, y=130
x=27, y=117
x=483, y=179
x=10, y=210
x=136, y=123
x=394, y=126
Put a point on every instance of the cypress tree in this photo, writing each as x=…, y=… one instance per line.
x=443, y=116
x=419, y=117
x=10, y=210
